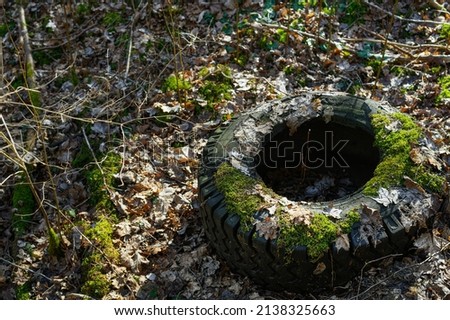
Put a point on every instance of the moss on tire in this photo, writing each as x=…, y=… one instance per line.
x=310, y=246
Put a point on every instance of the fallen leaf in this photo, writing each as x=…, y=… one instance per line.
x=321, y=267
x=342, y=242
x=411, y=184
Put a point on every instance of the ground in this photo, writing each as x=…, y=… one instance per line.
x=108, y=137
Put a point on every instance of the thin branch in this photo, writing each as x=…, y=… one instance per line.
x=444, y=248
x=26, y=269
x=25, y=39
x=341, y=45
x=401, y=18
x=259, y=25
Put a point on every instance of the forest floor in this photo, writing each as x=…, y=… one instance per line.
x=128, y=94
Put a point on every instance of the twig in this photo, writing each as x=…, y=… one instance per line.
x=340, y=45
x=401, y=18
x=26, y=269
x=258, y=25
x=130, y=44
x=398, y=44
x=25, y=39
x=2, y=72
x=444, y=248
x=369, y=263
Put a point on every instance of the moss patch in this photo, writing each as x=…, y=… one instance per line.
x=216, y=85
x=238, y=190
x=241, y=199
x=95, y=282
x=98, y=181
x=176, y=83
x=317, y=236
x=95, y=264
x=24, y=205
x=395, y=135
x=444, y=82
x=23, y=292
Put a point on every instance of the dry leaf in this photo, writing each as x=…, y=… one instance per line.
x=411, y=184
x=342, y=242
x=371, y=216
x=319, y=268
x=416, y=156
x=268, y=228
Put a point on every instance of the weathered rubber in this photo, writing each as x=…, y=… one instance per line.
x=270, y=265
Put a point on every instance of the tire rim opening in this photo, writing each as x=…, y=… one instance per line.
x=317, y=161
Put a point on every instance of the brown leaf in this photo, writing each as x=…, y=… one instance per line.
x=319, y=268
x=342, y=242
x=370, y=216
x=411, y=184
x=416, y=156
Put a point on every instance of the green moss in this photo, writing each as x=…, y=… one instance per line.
x=98, y=180
x=24, y=204
x=429, y=180
x=445, y=31
x=240, y=198
x=112, y=19
x=23, y=292
x=97, y=286
x=346, y=224
x=395, y=146
x=101, y=235
x=444, y=83
x=93, y=266
x=95, y=282
x=238, y=190
x=217, y=84
x=176, y=83
x=54, y=243
x=317, y=236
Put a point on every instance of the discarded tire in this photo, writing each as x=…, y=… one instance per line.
x=262, y=188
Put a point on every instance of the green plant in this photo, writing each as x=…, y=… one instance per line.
x=112, y=19
x=23, y=292
x=101, y=177
x=445, y=31
x=444, y=83
x=217, y=84
x=317, y=236
x=5, y=27
x=45, y=57
x=351, y=11
x=176, y=83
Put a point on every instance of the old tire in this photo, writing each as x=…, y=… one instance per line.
x=265, y=260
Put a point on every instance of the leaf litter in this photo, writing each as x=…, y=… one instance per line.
x=163, y=248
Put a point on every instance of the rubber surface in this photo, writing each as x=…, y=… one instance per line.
x=263, y=260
